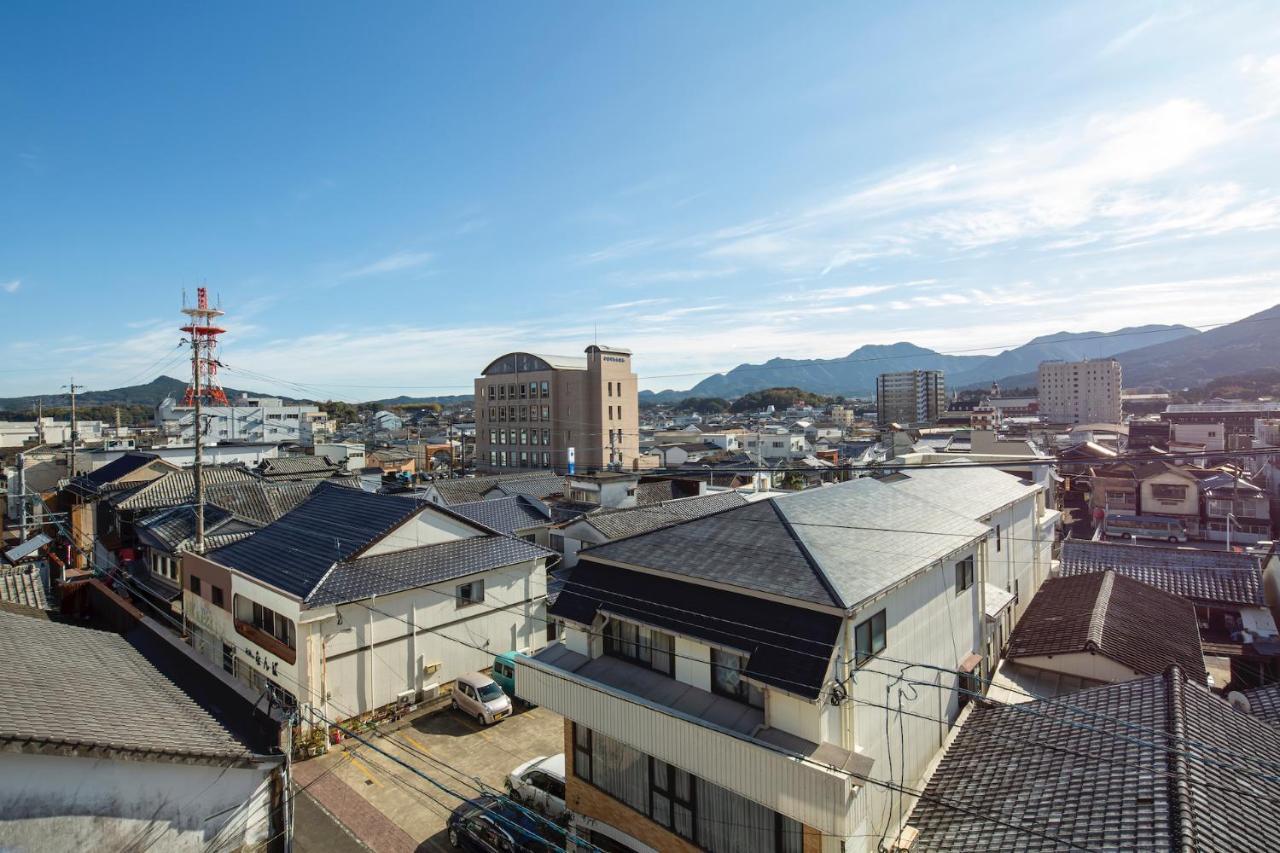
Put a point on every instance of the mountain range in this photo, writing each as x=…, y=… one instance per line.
x=150, y=394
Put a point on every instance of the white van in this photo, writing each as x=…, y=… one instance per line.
x=1145, y=527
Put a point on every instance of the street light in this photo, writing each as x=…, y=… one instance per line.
x=712, y=474
x=1230, y=518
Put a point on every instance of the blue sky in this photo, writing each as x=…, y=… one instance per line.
x=385, y=196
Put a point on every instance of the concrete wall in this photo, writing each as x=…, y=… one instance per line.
x=51, y=802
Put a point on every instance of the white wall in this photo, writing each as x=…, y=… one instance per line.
x=53, y=802
x=1081, y=665
x=427, y=528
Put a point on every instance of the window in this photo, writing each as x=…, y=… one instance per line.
x=195, y=584
x=493, y=436
x=524, y=413
x=511, y=413
x=997, y=538
x=582, y=752
x=610, y=389
x=524, y=436
x=493, y=457
x=645, y=646
x=502, y=392
x=546, y=436
x=1168, y=492
x=502, y=459
x=553, y=630
x=533, y=413
x=546, y=389
x=869, y=637
x=216, y=595
x=964, y=574
x=546, y=413
x=546, y=457
x=727, y=680
x=491, y=393
x=502, y=436
x=229, y=658
x=470, y=593
x=511, y=392
x=671, y=797
x=533, y=389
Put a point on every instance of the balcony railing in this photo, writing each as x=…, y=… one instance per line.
x=814, y=784
x=266, y=641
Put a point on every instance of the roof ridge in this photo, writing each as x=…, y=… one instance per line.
x=1098, y=616
x=1182, y=824
x=821, y=573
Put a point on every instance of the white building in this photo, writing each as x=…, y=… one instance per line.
x=102, y=749
x=1080, y=392
x=354, y=601
x=350, y=453
x=749, y=665
x=246, y=419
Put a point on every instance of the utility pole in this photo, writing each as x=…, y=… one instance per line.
x=199, y=428
x=71, y=462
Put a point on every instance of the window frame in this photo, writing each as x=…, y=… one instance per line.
x=869, y=624
x=964, y=574
x=471, y=597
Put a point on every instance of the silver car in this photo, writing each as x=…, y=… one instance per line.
x=540, y=783
x=477, y=695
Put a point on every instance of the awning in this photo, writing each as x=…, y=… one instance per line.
x=26, y=549
x=970, y=663
x=997, y=600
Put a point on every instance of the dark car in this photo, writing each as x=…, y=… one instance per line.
x=490, y=825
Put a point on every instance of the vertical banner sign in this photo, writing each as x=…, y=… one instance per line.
x=571, y=460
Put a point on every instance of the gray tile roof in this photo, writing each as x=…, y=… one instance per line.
x=616, y=524
x=1138, y=626
x=467, y=489
x=1100, y=786
x=71, y=686
x=294, y=552
x=291, y=467
x=263, y=502
x=176, y=487
x=974, y=492
x=174, y=529
x=1204, y=576
x=1264, y=702
x=506, y=515
x=837, y=545
x=418, y=567
x=21, y=585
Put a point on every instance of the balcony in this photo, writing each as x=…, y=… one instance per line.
x=266, y=641
x=716, y=738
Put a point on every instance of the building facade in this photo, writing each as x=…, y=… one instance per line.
x=910, y=397
x=544, y=411
x=1080, y=392
x=246, y=419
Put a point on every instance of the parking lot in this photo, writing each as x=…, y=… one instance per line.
x=390, y=808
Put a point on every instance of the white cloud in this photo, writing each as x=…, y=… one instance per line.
x=391, y=263
x=11, y=286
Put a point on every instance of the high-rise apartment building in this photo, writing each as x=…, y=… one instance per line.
x=1080, y=392
x=532, y=411
x=910, y=397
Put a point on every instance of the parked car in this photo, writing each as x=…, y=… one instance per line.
x=504, y=672
x=477, y=695
x=539, y=784
x=489, y=825
x=1145, y=527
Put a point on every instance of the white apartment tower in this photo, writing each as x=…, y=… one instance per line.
x=1080, y=392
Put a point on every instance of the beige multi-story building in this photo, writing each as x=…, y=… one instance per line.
x=1080, y=392
x=910, y=397
x=534, y=411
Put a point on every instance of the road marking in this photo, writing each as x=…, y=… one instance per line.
x=419, y=746
x=364, y=768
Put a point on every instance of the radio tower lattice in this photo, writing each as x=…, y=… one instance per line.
x=204, y=343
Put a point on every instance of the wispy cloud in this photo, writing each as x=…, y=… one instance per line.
x=391, y=263
x=635, y=303
x=11, y=286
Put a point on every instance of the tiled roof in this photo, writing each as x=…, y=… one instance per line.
x=837, y=545
x=295, y=552
x=506, y=515
x=467, y=489
x=974, y=492
x=416, y=567
x=263, y=502
x=21, y=585
x=788, y=646
x=176, y=487
x=117, y=468
x=1054, y=776
x=174, y=529
x=1138, y=626
x=616, y=524
x=292, y=467
x=1206, y=576
x=1264, y=702
x=71, y=686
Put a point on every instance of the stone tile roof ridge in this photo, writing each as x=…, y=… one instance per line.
x=1101, y=604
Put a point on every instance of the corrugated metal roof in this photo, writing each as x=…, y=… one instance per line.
x=417, y=567
x=63, y=684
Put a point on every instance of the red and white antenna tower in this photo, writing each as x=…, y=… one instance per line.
x=204, y=343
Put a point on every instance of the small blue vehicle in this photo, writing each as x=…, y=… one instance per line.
x=504, y=673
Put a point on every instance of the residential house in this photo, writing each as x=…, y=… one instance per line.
x=449, y=492
x=1170, y=491
x=1113, y=490
x=1226, y=588
x=1235, y=510
x=515, y=515
x=596, y=528
x=388, y=421
x=354, y=601
x=675, y=455
x=284, y=468
x=1097, y=628
x=102, y=750
x=1045, y=777
x=724, y=680
x=350, y=453
x=393, y=461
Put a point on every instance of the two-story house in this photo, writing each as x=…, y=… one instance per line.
x=732, y=682
x=355, y=601
x=1171, y=491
